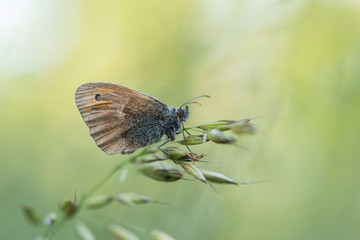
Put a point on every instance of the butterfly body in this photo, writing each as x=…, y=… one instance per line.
x=122, y=120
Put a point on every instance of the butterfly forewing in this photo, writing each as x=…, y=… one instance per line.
x=115, y=114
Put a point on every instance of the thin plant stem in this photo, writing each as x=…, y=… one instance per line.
x=63, y=219
x=102, y=181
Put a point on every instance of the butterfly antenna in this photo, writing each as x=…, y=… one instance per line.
x=194, y=102
x=190, y=101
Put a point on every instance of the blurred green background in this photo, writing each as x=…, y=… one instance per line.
x=297, y=62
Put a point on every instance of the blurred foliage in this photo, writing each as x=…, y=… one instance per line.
x=297, y=62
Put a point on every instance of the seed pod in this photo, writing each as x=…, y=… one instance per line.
x=68, y=207
x=179, y=154
x=176, y=153
x=221, y=125
x=159, y=235
x=193, y=140
x=243, y=128
x=217, y=177
x=84, y=232
x=217, y=136
x=130, y=199
x=99, y=201
x=194, y=171
x=31, y=215
x=147, y=158
x=121, y=233
x=167, y=174
x=50, y=219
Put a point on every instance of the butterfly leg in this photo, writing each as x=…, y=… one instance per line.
x=162, y=150
x=186, y=131
x=183, y=129
x=177, y=133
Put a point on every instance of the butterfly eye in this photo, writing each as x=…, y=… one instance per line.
x=97, y=97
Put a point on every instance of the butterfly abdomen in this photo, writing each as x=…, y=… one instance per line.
x=144, y=135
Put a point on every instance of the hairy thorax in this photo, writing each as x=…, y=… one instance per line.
x=173, y=125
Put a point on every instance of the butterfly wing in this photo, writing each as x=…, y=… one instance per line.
x=121, y=120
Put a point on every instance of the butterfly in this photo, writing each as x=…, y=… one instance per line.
x=122, y=120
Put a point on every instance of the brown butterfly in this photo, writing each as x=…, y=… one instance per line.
x=122, y=120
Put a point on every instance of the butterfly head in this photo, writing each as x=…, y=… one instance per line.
x=182, y=113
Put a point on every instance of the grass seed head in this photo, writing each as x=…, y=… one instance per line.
x=176, y=153
x=193, y=140
x=159, y=235
x=217, y=136
x=130, y=199
x=84, y=232
x=216, y=177
x=31, y=215
x=148, y=158
x=121, y=233
x=221, y=125
x=194, y=171
x=68, y=207
x=50, y=219
x=99, y=201
x=242, y=127
x=182, y=155
x=168, y=174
